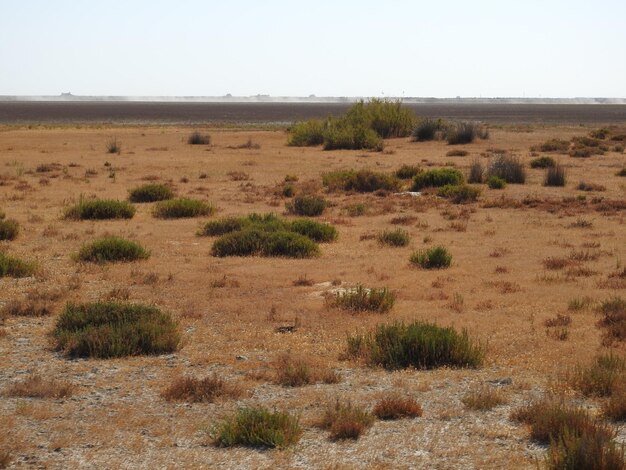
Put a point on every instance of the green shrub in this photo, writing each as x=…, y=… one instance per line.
x=437, y=178
x=9, y=229
x=464, y=133
x=476, y=172
x=555, y=176
x=346, y=421
x=397, y=237
x=109, y=329
x=150, y=193
x=432, y=258
x=100, y=209
x=362, y=181
x=418, y=344
x=554, y=145
x=407, y=172
x=361, y=299
x=356, y=210
x=15, y=267
x=314, y=230
x=542, y=162
x=112, y=249
x=195, y=138
x=220, y=227
x=258, y=427
x=459, y=194
x=428, y=129
x=307, y=133
x=309, y=206
x=386, y=117
x=182, y=208
x=495, y=182
x=251, y=242
x=342, y=135
x=508, y=168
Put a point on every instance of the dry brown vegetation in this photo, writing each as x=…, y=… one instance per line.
x=534, y=277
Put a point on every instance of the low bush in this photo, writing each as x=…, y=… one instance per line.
x=590, y=450
x=27, y=308
x=112, y=249
x=193, y=390
x=113, y=146
x=476, y=172
x=15, y=267
x=622, y=172
x=182, y=208
x=483, y=398
x=584, y=186
x=395, y=406
x=340, y=135
x=346, y=421
x=258, y=427
x=226, y=225
x=151, y=192
x=309, y=206
x=9, y=229
x=251, y=242
x=433, y=258
x=100, y=209
x=356, y=210
x=407, y=172
x=554, y=145
x=362, y=299
x=307, y=133
x=418, y=344
x=35, y=386
x=429, y=129
x=437, y=178
x=542, y=162
x=495, y=182
x=362, y=181
x=397, y=237
x=459, y=194
x=110, y=329
x=506, y=167
x=316, y=231
x=195, y=138
x=464, y=133
x=457, y=153
x=555, y=176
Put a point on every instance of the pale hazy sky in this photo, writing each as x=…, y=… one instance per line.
x=443, y=48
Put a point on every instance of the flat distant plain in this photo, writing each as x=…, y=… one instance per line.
x=229, y=308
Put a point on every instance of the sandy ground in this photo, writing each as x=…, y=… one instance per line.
x=116, y=417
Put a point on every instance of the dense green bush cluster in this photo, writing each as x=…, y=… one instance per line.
x=432, y=258
x=100, y=209
x=419, y=345
x=307, y=133
x=437, y=178
x=459, y=193
x=309, y=206
x=542, y=162
x=362, y=181
x=112, y=249
x=397, y=237
x=182, y=208
x=15, y=267
x=495, y=182
x=151, y=192
x=407, y=172
x=109, y=329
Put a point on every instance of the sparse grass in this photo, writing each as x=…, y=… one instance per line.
x=15, y=267
x=495, y=182
x=100, y=209
x=195, y=138
x=583, y=186
x=554, y=263
x=110, y=329
x=362, y=299
x=151, y=192
x=182, y=208
x=112, y=249
x=310, y=206
x=356, y=210
x=483, y=398
x=419, y=345
x=206, y=390
x=590, y=450
x=407, y=172
x=346, y=421
x=9, y=229
x=396, y=238
x=433, y=258
x=600, y=379
x=437, y=178
x=394, y=406
x=36, y=386
x=362, y=181
x=613, y=320
x=506, y=167
x=459, y=194
x=113, y=146
x=292, y=371
x=542, y=162
x=476, y=172
x=579, y=303
x=555, y=176
x=258, y=427
x=27, y=308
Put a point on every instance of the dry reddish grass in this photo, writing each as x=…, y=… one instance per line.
x=195, y=390
x=394, y=406
x=35, y=386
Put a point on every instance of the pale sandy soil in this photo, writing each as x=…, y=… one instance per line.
x=116, y=417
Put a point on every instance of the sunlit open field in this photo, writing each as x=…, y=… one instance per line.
x=530, y=266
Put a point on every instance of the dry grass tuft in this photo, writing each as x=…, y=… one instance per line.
x=484, y=398
x=195, y=390
x=393, y=406
x=346, y=421
x=292, y=371
x=35, y=386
